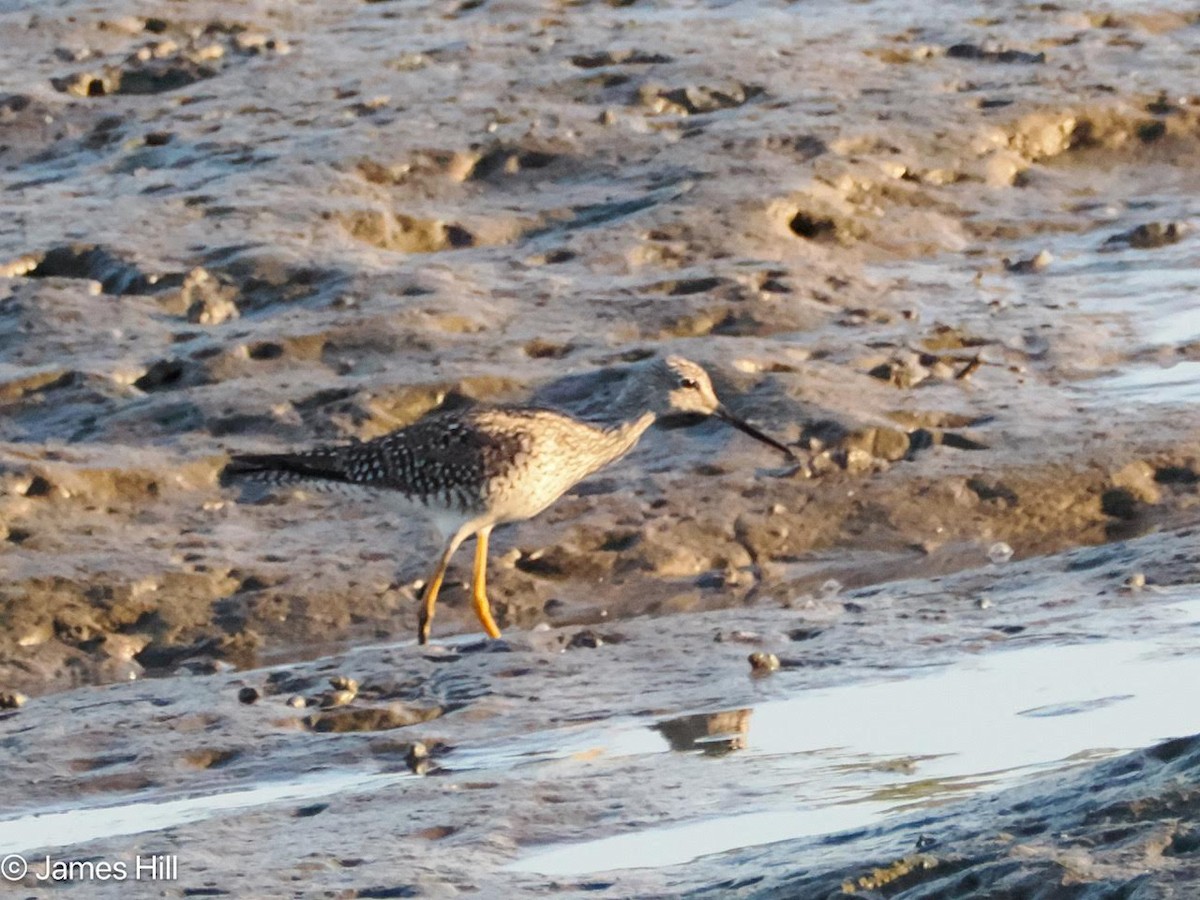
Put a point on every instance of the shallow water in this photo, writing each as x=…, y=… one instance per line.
x=1141, y=301
x=1168, y=385
x=144, y=813
x=849, y=756
x=816, y=763
x=1153, y=291
x=1155, y=288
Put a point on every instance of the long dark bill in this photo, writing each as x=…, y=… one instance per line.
x=726, y=416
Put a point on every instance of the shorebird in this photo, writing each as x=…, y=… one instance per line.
x=472, y=469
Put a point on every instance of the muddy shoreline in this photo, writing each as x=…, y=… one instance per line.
x=536, y=743
x=894, y=305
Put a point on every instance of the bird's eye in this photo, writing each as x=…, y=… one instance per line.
x=689, y=383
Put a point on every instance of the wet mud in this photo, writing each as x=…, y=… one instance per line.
x=948, y=254
x=632, y=760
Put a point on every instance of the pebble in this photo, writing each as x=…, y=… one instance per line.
x=763, y=663
x=297, y=702
x=1036, y=263
x=343, y=683
x=739, y=637
x=22, y=265
x=12, y=699
x=249, y=695
x=586, y=639
x=1000, y=552
x=1136, y=581
x=804, y=634
x=1149, y=236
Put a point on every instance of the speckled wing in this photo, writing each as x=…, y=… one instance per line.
x=447, y=459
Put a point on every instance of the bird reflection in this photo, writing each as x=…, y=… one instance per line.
x=714, y=734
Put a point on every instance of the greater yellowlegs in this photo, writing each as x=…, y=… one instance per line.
x=472, y=469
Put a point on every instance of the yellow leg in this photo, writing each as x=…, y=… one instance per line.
x=429, y=599
x=479, y=598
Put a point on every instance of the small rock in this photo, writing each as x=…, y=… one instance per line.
x=297, y=702
x=728, y=577
x=738, y=637
x=71, y=54
x=1136, y=581
x=1034, y=264
x=12, y=699
x=337, y=698
x=901, y=372
x=343, y=683
x=249, y=695
x=206, y=300
x=22, y=265
x=763, y=663
x=993, y=53
x=1149, y=236
x=1000, y=552
x=983, y=603
x=586, y=639
x=804, y=634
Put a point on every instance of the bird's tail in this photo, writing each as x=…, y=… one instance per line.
x=283, y=468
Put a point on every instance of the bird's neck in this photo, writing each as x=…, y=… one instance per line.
x=624, y=437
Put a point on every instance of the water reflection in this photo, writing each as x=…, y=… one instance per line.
x=854, y=754
x=714, y=734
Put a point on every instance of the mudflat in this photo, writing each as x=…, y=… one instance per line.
x=945, y=251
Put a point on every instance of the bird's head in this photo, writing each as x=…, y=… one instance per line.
x=683, y=388
x=679, y=391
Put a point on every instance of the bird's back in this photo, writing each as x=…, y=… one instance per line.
x=509, y=463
